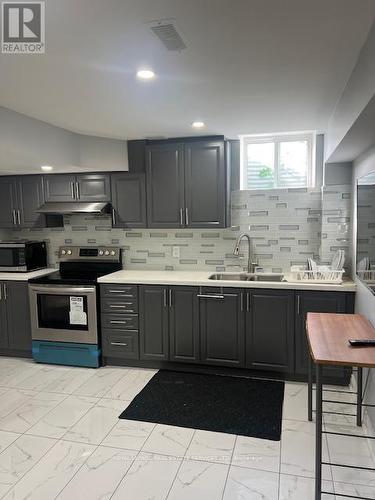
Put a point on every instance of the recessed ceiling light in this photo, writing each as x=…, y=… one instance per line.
x=145, y=74
x=46, y=168
x=198, y=124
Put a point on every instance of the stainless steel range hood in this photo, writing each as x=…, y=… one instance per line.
x=74, y=207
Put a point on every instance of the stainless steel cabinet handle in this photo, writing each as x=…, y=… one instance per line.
x=119, y=343
x=241, y=302
x=247, y=302
x=187, y=216
x=117, y=306
x=165, y=297
x=119, y=291
x=72, y=189
x=1, y=293
x=207, y=296
x=113, y=217
x=19, y=217
x=181, y=216
x=170, y=297
x=14, y=217
x=5, y=292
x=77, y=190
x=117, y=321
x=298, y=304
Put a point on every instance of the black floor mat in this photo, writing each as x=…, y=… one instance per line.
x=235, y=405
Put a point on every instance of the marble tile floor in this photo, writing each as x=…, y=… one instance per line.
x=60, y=438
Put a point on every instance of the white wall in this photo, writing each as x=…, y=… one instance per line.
x=27, y=143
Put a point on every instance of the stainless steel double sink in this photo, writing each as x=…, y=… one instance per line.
x=246, y=277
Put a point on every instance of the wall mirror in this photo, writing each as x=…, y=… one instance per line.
x=366, y=230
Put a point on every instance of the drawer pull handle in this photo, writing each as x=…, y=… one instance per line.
x=117, y=306
x=206, y=296
x=117, y=321
x=119, y=291
x=119, y=343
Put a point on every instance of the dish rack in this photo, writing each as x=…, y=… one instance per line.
x=367, y=275
x=322, y=274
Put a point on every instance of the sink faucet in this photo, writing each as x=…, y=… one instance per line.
x=250, y=265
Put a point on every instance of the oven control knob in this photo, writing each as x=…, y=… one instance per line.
x=101, y=252
x=69, y=252
x=113, y=252
x=63, y=252
x=106, y=252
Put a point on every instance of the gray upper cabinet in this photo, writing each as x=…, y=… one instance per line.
x=153, y=322
x=222, y=327
x=187, y=184
x=30, y=197
x=165, y=185
x=205, y=198
x=270, y=336
x=85, y=187
x=59, y=187
x=93, y=187
x=19, y=198
x=8, y=202
x=184, y=324
x=128, y=200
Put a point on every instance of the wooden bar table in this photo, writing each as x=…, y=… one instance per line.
x=328, y=339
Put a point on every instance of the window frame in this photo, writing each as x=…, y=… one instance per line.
x=308, y=136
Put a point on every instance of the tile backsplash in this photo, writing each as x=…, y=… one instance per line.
x=286, y=227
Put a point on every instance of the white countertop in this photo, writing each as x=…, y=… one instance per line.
x=26, y=276
x=200, y=278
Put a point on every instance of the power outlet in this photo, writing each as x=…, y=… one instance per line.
x=176, y=252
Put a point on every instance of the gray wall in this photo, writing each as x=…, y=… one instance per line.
x=358, y=91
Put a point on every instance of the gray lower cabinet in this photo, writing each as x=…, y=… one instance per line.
x=153, y=322
x=270, y=330
x=165, y=185
x=128, y=200
x=317, y=301
x=15, y=334
x=205, y=197
x=222, y=327
x=183, y=304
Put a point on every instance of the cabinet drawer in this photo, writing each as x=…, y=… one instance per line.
x=121, y=344
x=120, y=322
x=119, y=291
x=119, y=306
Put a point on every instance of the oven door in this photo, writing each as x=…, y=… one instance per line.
x=62, y=313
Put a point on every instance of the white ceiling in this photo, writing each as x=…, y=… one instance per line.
x=250, y=66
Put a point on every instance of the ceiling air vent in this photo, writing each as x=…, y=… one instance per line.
x=166, y=31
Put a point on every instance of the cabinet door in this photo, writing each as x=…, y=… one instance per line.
x=30, y=198
x=128, y=200
x=184, y=324
x=165, y=185
x=205, y=184
x=8, y=202
x=270, y=330
x=153, y=322
x=93, y=187
x=59, y=187
x=307, y=301
x=3, y=318
x=18, y=314
x=222, y=327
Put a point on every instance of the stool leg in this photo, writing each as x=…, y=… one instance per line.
x=359, y=396
x=310, y=389
x=318, y=434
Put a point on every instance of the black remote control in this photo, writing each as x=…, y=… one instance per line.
x=362, y=342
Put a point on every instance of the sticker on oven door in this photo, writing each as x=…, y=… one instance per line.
x=77, y=315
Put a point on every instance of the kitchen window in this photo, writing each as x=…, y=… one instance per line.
x=277, y=161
